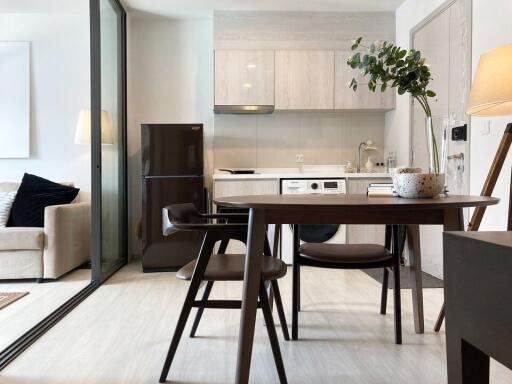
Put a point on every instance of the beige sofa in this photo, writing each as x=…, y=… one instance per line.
x=46, y=253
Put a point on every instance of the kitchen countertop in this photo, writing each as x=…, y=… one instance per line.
x=285, y=174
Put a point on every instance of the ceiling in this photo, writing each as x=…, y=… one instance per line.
x=204, y=8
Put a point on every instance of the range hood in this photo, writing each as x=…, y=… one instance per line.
x=243, y=109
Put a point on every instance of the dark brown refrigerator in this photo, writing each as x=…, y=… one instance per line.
x=172, y=173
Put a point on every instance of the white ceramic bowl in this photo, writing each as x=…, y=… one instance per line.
x=418, y=185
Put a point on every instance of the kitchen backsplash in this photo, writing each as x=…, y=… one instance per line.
x=267, y=141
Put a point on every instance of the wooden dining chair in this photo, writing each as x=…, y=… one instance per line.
x=211, y=267
x=352, y=256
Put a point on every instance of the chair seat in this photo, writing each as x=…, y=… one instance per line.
x=345, y=253
x=230, y=267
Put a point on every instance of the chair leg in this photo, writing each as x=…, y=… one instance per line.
x=298, y=289
x=272, y=335
x=280, y=309
x=270, y=293
x=396, y=289
x=440, y=319
x=200, y=311
x=295, y=284
x=195, y=283
x=384, y=295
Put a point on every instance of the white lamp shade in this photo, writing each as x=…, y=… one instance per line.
x=491, y=94
x=83, y=128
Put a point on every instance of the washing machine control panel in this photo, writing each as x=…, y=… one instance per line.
x=324, y=186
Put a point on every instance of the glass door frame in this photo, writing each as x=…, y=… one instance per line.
x=98, y=273
x=12, y=351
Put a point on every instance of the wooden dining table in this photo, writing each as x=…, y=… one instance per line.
x=338, y=209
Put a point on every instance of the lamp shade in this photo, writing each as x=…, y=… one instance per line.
x=370, y=145
x=491, y=94
x=83, y=128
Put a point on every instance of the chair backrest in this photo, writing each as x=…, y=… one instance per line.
x=176, y=216
x=186, y=217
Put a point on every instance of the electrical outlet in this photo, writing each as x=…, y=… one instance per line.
x=299, y=158
x=486, y=128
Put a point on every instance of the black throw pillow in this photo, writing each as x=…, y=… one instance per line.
x=34, y=195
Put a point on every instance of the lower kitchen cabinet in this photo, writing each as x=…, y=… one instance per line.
x=222, y=188
x=358, y=234
x=239, y=187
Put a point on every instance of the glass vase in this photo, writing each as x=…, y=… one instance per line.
x=436, y=128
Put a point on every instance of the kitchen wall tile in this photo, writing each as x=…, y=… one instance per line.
x=272, y=141
x=359, y=127
x=320, y=139
x=278, y=140
x=235, y=141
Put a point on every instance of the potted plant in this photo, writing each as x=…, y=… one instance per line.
x=388, y=65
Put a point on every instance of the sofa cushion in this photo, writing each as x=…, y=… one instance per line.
x=9, y=186
x=21, y=238
x=6, y=200
x=34, y=195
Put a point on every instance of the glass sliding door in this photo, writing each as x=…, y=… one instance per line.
x=108, y=114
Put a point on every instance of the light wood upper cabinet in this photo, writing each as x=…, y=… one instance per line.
x=244, y=77
x=363, y=98
x=304, y=79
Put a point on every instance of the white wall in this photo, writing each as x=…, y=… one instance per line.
x=170, y=80
x=491, y=28
x=408, y=15
x=60, y=88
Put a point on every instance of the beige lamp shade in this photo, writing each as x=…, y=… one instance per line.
x=491, y=94
x=83, y=128
x=370, y=145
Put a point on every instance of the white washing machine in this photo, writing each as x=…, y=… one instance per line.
x=321, y=233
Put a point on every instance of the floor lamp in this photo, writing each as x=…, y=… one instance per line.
x=491, y=95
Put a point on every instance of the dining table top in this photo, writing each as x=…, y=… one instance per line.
x=362, y=201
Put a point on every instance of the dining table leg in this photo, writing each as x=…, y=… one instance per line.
x=453, y=221
x=413, y=244
x=252, y=279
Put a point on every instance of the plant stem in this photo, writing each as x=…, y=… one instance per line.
x=422, y=100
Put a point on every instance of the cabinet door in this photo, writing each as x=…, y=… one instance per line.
x=243, y=187
x=364, y=234
x=244, y=77
x=363, y=98
x=304, y=79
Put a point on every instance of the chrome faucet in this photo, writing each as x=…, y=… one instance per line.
x=367, y=145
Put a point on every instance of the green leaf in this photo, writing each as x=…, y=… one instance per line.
x=356, y=43
x=383, y=87
x=431, y=93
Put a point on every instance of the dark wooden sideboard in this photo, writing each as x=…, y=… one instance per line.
x=478, y=296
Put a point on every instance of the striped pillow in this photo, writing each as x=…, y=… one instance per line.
x=6, y=200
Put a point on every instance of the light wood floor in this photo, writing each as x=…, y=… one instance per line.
x=43, y=299
x=121, y=333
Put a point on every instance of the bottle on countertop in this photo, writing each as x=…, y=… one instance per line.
x=369, y=164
